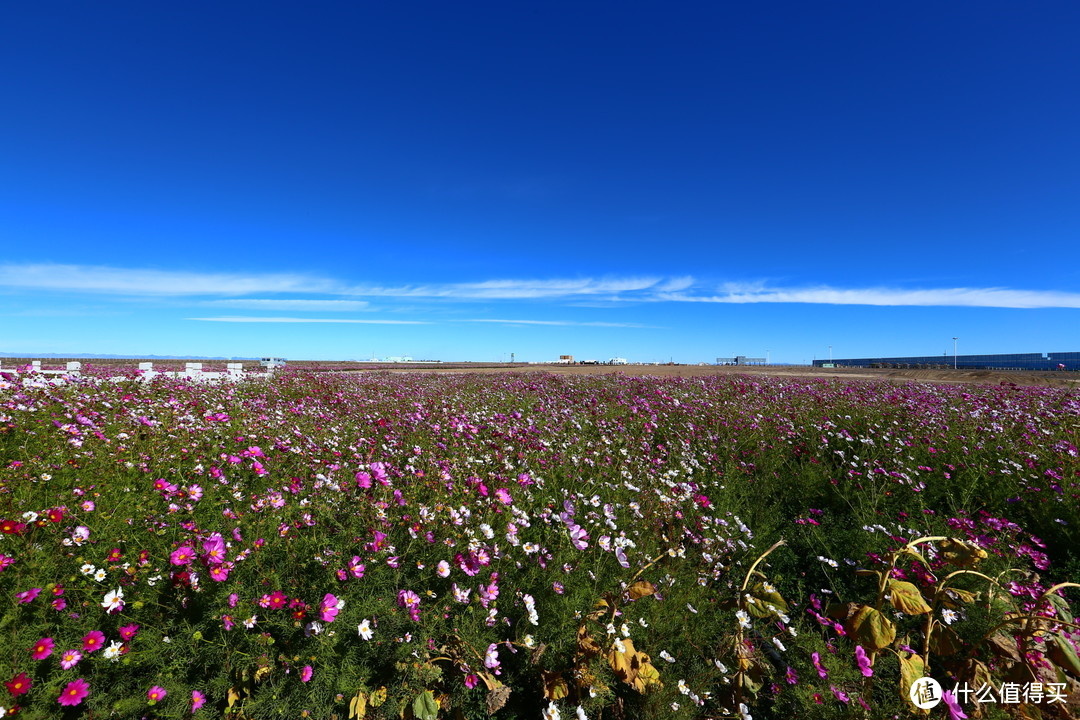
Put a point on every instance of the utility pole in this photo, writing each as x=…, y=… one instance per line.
x=830, y=353
x=954, y=352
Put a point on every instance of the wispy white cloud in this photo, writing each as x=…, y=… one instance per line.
x=229, y=287
x=515, y=289
x=149, y=282
x=568, y=323
x=308, y=320
x=931, y=297
x=290, y=304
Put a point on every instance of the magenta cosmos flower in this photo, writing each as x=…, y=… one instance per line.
x=156, y=693
x=93, y=640
x=863, y=661
x=955, y=711
x=42, y=649
x=28, y=595
x=329, y=607
x=197, y=700
x=75, y=692
x=306, y=673
x=182, y=555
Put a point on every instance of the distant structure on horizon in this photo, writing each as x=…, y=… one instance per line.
x=1008, y=361
x=741, y=360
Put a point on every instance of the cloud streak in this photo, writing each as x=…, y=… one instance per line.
x=230, y=287
x=291, y=304
x=894, y=297
x=566, y=323
x=351, y=321
x=525, y=289
x=149, y=282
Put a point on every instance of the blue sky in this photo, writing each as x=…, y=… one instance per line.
x=468, y=180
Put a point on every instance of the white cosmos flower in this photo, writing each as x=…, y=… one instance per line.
x=114, y=601
x=364, y=629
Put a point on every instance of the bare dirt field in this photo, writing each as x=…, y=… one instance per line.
x=983, y=377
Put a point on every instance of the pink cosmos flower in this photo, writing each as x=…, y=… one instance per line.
x=305, y=674
x=75, y=692
x=220, y=573
x=128, y=631
x=329, y=607
x=70, y=658
x=214, y=549
x=821, y=671
x=578, y=537
x=28, y=595
x=503, y=496
x=471, y=680
x=182, y=555
x=411, y=602
x=356, y=568
x=955, y=711
x=840, y=694
x=93, y=640
x=5, y=561
x=156, y=694
x=42, y=649
x=864, y=661
x=197, y=700
x=491, y=658
x=379, y=541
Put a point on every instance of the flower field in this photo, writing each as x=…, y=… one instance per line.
x=536, y=546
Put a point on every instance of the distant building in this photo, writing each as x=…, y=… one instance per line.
x=272, y=363
x=741, y=360
x=566, y=359
x=1061, y=361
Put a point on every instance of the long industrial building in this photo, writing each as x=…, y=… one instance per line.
x=1010, y=361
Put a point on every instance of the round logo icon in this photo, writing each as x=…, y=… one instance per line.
x=925, y=693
